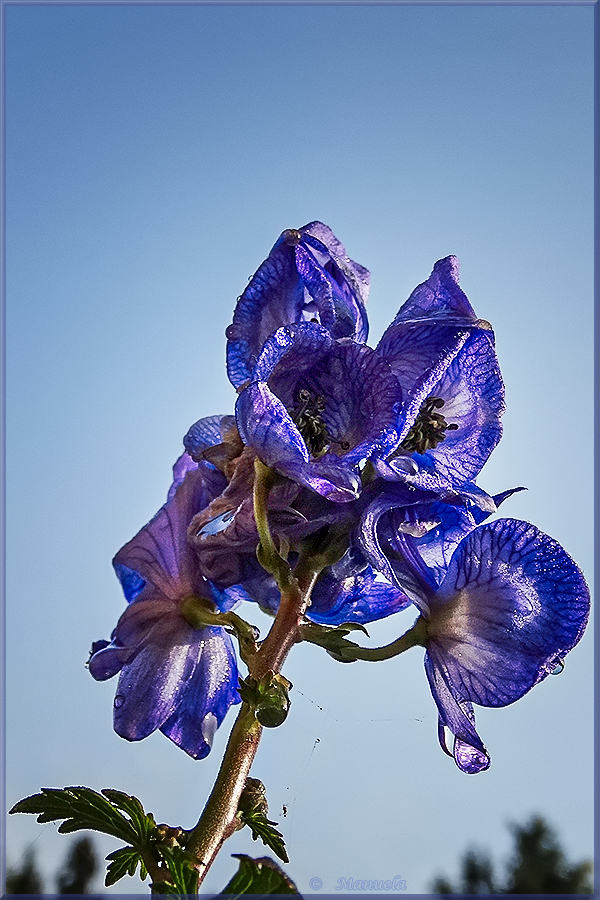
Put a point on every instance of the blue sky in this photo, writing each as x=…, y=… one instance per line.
x=153, y=156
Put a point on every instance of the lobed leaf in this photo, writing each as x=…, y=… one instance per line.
x=124, y=862
x=184, y=874
x=258, y=876
x=262, y=828
x=81, y=808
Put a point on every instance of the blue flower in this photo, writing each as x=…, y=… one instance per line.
x=174, y=677
x=508, y=608
x=453, y=395
x=306, y=277
x=316, y=408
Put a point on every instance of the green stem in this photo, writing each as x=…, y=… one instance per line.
x=348, y=651
x=219, y=818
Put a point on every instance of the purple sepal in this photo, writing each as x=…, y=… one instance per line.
x=173, y=676
x=437, y=347
x=358, y=409
x=438, y=299
x=306, y=277
x=512, y=605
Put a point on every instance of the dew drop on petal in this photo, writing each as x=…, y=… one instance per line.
x=209, y=726
x=404, y=465
x=558, y=667
x=119, y=701
x=218, y=524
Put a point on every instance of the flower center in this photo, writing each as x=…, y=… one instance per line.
x=306, y=415
x=429, y=428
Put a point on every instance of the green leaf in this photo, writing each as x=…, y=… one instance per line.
x=185, y=876
x=124, y=862
x=80, y=807
x=143, y=822
x=262, y=828
x=258, y=876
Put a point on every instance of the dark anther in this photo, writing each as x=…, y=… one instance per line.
x=429, y=428
x=306, y=414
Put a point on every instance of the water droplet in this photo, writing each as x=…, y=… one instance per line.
x=119, y=701
x=230, y=332
x=558, y=667
x=208, y=727
x=218, y=524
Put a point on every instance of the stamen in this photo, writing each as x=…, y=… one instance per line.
x=306, y=415
x=429, y=428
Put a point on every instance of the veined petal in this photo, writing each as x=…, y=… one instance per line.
x=473, y=395
x=188, y=671
x=159, y=553
x=205, y=696
x=307, y=276
x=513, y=603
x=456, y=714
x=362, y=597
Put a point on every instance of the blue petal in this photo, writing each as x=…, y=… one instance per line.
x=177, y=684
x=360, y=399
x=307, y=276
x=362, y=597
x=437, y=347
x=456, y=714
x=473, y=394
x=266, y=426
x=207, y=432
x=131, y=582
x=513, y=603
x=160, y=554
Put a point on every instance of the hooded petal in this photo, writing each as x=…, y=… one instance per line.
x=306, y=277
x=319, y=408
x=438, y=349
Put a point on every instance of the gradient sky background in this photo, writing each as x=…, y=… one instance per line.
x=154, y=154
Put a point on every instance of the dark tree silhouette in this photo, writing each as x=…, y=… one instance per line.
x=78, y=869
x=74, y=876
x=25, y=880
x=538, y=866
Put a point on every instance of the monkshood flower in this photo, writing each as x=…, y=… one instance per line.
x=316, y=408
x=174, y=677
x=307, y=277
x=315, y=402
x=509, y=606
x=453, y=395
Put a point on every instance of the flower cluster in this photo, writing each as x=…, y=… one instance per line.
x=380, y=448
